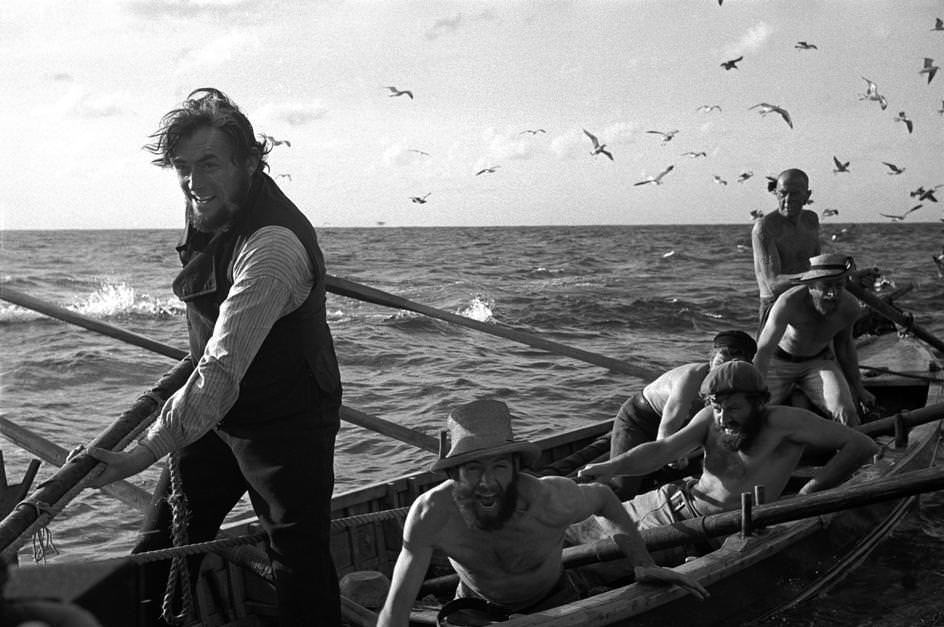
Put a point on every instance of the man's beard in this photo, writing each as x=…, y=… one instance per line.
x=223, y=216
x=472, y=514
x=742, y=438
x=824, y=307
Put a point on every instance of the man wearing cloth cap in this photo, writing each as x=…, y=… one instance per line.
x=503, y=530
x=746, y=443
x=794, y=345
x=668, y=403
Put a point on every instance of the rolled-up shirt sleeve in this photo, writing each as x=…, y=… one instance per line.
x=272, y=276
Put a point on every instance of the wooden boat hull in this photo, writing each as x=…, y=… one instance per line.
x=233, y=590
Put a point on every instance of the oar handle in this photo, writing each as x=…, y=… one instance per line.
x=885, y=309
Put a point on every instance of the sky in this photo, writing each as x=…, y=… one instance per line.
x=84, y=83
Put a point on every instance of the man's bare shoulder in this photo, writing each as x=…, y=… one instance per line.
x=809, y=218
x=559, y=501
x=768, y=226
x=433, y=508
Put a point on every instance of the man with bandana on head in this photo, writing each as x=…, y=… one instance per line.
x=503, y=529
x=807, y=342
x=746, y=443
x=668, y=403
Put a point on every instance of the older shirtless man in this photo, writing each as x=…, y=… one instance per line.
x=746, y=443
x=668, y=403
x=794, y=346
x=784, y=240
x=503, y=530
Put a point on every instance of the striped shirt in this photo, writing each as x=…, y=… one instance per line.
x=272, y=276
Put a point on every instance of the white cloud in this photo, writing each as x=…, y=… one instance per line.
x=218, y=51
x=507, y=145
x=80, y=102
x=446, y=25
x=755, y=37
x=291, y=113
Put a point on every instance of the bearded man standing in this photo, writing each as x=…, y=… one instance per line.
x=807, y=342
x=746, y=443
x=260, y=411
x=503, y=529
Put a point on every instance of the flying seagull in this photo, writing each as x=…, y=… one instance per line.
x=709, y=108
x=420, y=200
x=929, y=68
x=841, y=166
x=398, y=92
x=286, y=175
x=903, y=117
x=899, y=218
x=872, y=94
x=695, y=155
x=925, y=194
x=532, y=131
x=743, y=176
x=419, y=152
x=719, y=180
x=941, y=110
x=274, y=141
x=830, y=212
x=769, y=108
x=598, y=148
x=657, y=179
x=893, y=169
x=732, y=64
x=938, y=24
x=667, y=136
x=802, y=45
x=488, y=170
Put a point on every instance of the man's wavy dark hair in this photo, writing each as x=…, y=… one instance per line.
x=207, y=107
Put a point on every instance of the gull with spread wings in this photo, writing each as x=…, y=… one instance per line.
x=899, y=218
x=929, y=68
x=841, y=166
x=903, y=117
x=598, y=148
x=732, y=64
x=657, y=179
x=892, y=168
x=666, y=135
x=765, y=108
x=871, y=93
x=398, y=92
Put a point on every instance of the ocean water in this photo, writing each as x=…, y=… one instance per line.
x=651, y=295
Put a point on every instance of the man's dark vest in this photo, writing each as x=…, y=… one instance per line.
x=299, y=346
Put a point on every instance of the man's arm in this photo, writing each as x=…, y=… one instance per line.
x=651, y=456
x=770, y=335
x=853, y=448
x=606, y=504
x=411, y=566
x=848, y=359
x=675, y=412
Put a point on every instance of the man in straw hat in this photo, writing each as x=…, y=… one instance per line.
x=794, y=345
x=668, y=403
x=503, y=529
x=746, y=443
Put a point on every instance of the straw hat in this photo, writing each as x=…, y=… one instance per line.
x=482, y=429
x=829, y=266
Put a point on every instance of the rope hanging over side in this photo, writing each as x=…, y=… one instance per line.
x=43, y=544
x=178, y=580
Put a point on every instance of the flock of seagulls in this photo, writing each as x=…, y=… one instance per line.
x=872, y=94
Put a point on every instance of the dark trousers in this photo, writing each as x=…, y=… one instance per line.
x=287, y=466
x=636, y=423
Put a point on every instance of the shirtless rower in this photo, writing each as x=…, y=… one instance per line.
x=502, y=529
x=668, y=403
x=784, y=240
x=794, y=345
x=746, y=443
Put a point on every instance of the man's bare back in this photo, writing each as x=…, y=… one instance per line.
x=808, y=332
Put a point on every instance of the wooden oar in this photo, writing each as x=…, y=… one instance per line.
x=344, y=287
x=784, y=510
x=379, y=425
x=52, y=453
x=883, y=308
x=47, y=500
